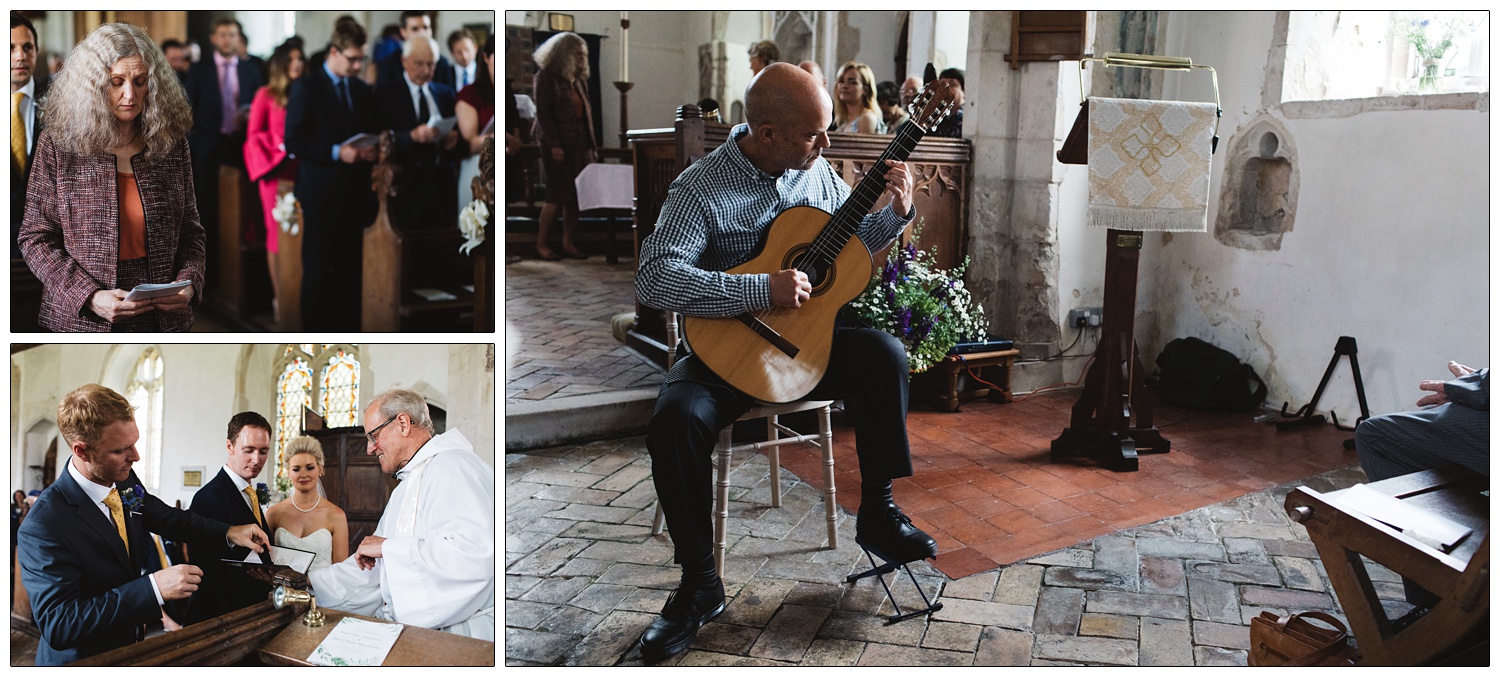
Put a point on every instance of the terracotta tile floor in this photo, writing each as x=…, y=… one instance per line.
x=985, y=488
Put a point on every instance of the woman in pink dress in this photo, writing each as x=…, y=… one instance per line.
x=266, y=158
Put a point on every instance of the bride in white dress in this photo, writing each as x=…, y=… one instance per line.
x=305, y=520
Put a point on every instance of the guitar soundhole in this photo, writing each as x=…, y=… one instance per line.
x=819, y=275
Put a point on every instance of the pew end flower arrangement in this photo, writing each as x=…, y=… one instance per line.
x=928, y=309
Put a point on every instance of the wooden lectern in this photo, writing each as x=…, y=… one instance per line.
x=264, y=634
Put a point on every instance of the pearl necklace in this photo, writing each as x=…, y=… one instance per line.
x=299, y=508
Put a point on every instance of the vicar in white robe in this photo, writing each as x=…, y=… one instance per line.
x=431, y=561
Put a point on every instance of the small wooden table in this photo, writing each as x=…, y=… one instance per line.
x=942, y=378
x=415, y=646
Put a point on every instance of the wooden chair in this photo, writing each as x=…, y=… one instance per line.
x=1460, y=578
x=823, y=439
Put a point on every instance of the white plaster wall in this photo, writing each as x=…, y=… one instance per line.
x=878, y=32
x=663, y=66
x=1080, y=270
x=1390, y=244
x=950, y=42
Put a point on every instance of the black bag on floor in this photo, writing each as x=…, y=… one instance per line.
x=1196, y=374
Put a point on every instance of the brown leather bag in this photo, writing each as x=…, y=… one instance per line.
x=1295, y=641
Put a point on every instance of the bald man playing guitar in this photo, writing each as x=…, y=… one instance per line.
x=716, y=217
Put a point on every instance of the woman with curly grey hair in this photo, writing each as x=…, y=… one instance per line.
x=564, y=128
x=110, y=204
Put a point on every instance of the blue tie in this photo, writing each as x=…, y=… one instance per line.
x=343, y=88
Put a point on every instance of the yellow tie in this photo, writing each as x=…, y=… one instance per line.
x=118, y=513
x=255, y=506
x=17, y=131
x=160, y=552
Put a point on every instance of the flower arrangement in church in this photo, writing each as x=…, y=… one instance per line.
x=927, y=308
x=471, y=224
x=1431, y=34
x=285, y=213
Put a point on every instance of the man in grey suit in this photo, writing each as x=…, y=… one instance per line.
x=1452, y=427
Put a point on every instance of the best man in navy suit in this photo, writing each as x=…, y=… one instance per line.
x=326, y=107
x=225, y=499
x=389, y=69
x=429, y=163
x=83, y=548
x=220, y=88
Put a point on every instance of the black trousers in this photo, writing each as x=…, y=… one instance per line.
x=867, y=369
x=332, y=262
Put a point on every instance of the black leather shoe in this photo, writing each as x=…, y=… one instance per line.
x=886, y=531
x=675, y=629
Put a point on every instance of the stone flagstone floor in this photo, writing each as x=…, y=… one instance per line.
x=584, y=576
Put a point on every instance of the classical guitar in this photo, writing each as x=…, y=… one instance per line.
x=779, y=354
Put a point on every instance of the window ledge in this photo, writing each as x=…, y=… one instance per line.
x=1343, y=108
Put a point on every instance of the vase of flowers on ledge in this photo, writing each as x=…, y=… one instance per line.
x=1431, y=36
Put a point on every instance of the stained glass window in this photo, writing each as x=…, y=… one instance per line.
x=340, y=390
x=144, y=391
x=293, y=392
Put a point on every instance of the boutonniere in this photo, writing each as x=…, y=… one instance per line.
x=133, y=497
x=262, y=494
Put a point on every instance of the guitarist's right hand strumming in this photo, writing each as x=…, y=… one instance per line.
x=789, y=288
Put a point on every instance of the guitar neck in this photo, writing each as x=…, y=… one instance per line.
x=848, y=217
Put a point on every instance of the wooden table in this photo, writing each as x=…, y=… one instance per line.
x=941, y=381
x=415, y=646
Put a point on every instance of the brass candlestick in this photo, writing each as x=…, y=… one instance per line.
x=283, y=595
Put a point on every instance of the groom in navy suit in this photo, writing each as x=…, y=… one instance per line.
x=83, y=547
x=231, y=497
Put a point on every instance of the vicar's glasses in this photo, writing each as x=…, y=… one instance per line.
x=373, y=433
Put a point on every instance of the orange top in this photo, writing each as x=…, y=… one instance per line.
x=132, y=218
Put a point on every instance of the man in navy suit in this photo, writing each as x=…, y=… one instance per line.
x=389, y=70
x=220, y=89
x=23, y=51
x=326, y=107
x=83, y=548
x=429, y=163
x=231, y=497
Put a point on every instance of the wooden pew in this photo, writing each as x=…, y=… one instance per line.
x=289, y=268
x=483, y=189
x=231, y=639
x=940, y=166
x=414, y=280
x=241, y=287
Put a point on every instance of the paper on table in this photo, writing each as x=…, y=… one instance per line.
x=356, y=642
x=1427, y=527
x=362, y=140
x=142, y=292
x=441, y=126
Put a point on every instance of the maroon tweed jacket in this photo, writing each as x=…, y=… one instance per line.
x=70, y=235
x=556, y=116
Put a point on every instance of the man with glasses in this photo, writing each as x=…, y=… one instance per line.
x=431, y=560
x=414, y=23
x=325, y=108
x=219, y=88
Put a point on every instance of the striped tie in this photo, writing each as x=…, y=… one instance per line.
x=118, y=513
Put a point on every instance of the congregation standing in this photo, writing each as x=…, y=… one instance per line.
x=282, y=119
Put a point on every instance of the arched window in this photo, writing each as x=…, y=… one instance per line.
x=320, y=377
x=144, y=391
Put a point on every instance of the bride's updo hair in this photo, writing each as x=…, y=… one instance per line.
x=304, y=444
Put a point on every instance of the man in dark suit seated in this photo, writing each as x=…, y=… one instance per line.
x=429, y=163
x=220, y=88
x=23, y=51
x=325, y=108
x=83, y=547
x=388, y=70
x=231, y=497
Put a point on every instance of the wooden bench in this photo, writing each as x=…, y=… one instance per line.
x=241, y=285
x=1460, y=578
x=940, y=384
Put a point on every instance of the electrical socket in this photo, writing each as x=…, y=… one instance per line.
x=1085, y=317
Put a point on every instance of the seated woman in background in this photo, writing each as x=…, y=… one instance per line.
x=854, y=104
x=113, y=157
x=265, y=147
x=304, y=520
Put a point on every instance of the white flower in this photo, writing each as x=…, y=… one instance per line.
x=285, y=213
x=471, y=223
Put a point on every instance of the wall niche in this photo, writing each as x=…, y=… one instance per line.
x=1258, y=196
